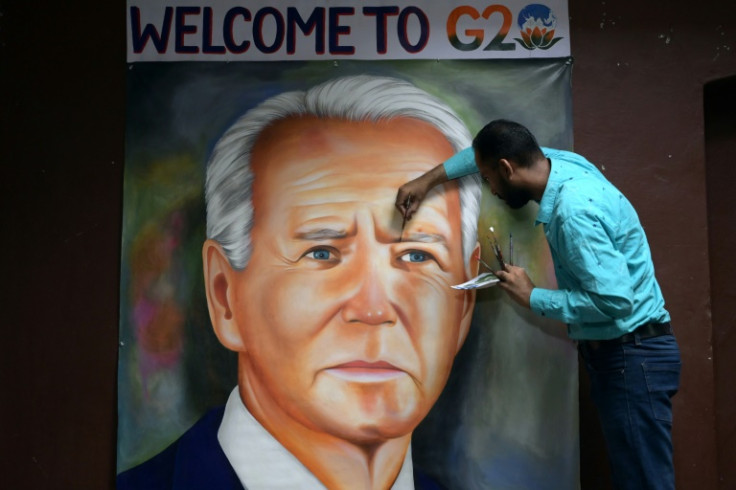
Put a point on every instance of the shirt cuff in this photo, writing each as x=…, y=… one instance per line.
x=461, y=164
x=541, y=301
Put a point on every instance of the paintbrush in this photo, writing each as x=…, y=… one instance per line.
x=511, y=249
x=484, y=262
x=407, y=205
x=497, y=249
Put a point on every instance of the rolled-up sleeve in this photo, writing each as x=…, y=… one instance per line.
x=461, y=164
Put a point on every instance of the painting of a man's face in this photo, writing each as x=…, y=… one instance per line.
x=341, y=326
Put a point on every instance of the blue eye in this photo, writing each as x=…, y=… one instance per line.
x=415, y=256
x=319, y=254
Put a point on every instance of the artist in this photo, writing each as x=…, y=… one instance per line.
x=345, y=323
x=608, y=295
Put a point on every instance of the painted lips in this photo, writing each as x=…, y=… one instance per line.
x=366, y=372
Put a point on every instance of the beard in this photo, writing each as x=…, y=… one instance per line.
x=515, y=197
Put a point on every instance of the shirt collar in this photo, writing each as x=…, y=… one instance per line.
x=557, y=173
x=262, y=463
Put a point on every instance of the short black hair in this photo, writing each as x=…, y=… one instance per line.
x=502, y=138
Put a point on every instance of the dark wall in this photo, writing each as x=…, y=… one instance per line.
x=638, y=79
x=62, y=70
x=638, y=109
x=720, y=151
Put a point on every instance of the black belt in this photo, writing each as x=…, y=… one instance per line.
x=646, y=331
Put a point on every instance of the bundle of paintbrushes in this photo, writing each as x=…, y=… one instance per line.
x=497, y=249
x=488, y=279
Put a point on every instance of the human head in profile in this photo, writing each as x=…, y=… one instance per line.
x=345, y=323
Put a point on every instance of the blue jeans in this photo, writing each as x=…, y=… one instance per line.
x=632, y=385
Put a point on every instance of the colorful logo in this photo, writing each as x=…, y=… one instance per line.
x=537, y=24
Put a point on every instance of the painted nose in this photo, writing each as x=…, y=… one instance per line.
x=370, y=304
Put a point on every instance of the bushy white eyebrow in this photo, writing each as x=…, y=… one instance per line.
x=427, y=238
x=322, y=234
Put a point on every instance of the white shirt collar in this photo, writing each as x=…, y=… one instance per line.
x=262, y=463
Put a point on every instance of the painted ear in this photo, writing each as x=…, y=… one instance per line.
x=471, y=271
x=219, y=278
x=473, y=267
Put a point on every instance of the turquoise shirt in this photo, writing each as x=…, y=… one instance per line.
x=600, y=252
x=461, y=164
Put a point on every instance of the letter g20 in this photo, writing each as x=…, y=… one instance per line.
x=478, y=35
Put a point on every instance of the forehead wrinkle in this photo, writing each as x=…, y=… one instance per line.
x=353, y=172
x=308, y=178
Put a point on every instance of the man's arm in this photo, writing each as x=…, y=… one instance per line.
x=412, y=193
x=606, y=289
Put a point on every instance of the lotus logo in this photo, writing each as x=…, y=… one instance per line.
x=537, y=24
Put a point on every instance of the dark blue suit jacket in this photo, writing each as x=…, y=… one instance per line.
x=196, y=462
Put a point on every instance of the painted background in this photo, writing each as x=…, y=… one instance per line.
x=508, y=416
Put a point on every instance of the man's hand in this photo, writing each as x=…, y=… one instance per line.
x=516, y=282
x=412, y=193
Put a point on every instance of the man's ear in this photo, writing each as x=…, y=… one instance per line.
x=471, y=271
x=218, y=281
x=506, y=168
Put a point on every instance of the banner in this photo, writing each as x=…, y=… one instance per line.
x=279, y=326
x=350, y=29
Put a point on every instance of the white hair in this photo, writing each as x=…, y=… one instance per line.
x=228, y=187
